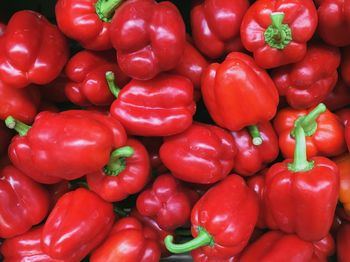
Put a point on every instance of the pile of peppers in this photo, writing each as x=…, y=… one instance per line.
x=148, y=130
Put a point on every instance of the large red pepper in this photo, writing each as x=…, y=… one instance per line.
x=224, y=85
x=202, y=154
x=31, y=51
x=223, y=220
x=324, y=131
x=126, y=173
x=24, y=203
x=215, y=26
x=149, y=37
x=86, y=71
x=343, y=243
x=339, y=97
x=255, y=151
x=162, y=106
x=302, y=195
x=129, y=241
x=345, y=65
x=309, y=81
x=277, y=31
x=343, y=163
x=65, y=145
x=79, y=222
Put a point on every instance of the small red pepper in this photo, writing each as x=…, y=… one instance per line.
x=343, y=243
x=323, y=129
x=162, y=106
x=277, y=31
x=308, y=82
x=149, y=37
x=345, y=65
x=339, y=97
x=202, y=154
x=32, y=50
x=224, y=85
x=79, y=222
x=24, y=203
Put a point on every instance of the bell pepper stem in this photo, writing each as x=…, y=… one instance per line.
x=255, y=134
x=278, y=35
x=203, y=239
x=105, y=9
x=20, y=127
x=110, y=77
x=117, y=160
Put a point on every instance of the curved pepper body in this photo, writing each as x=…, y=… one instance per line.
x=339, y=97
x=224, y=85
x=199, y=256
x=343, y=242
x=31, y=51
x=323, y=249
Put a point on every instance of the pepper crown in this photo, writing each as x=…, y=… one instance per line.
x=105, y=9
x=278, y=35
x=117, y=161
x=255, y=134
x=20, y=127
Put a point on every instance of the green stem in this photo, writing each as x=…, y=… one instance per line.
x=300, y=163
x=278, y=35
x=105, y=8
x=20, y=127
x=203, y=239
x=117, y=160
x=255, y=134
x=111, y=83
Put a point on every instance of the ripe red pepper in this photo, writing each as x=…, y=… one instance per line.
x=86, y=71
x=65, y=145
x=322, y=129
x=345, y=65
x=323, y=249
x=149, y=37
x=221, y=230
x=343, y=243
x=215, y=26
x=302, y=195
x=254, y=153
x=333, y=23
x=339, y=97
x=24, y=203
x=202, y=154
x=162, y=106
x=308, y=82
x=224, y=85
x=343, y=163
x=79, y=222
x=277, y=31
x=126, y=173
x=32, y=50
x=129, y=240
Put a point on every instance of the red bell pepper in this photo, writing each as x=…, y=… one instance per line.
x=162, y=106
x=79, y=222
x=323, y=249
x=202, y=154
x=221, y=230
x=65, y=145
x=126, y=173
x=149, y=37
x=167, y=202
x=339, y=97
x=323, y=129
x=199, y=256
x=254, y=153
x=343, y=163
x=277, y=31
x=86, y=71
x=129, y=240
x=224, y=85
x=343, y=243
x=345, y=65
x=333, y=23
x=32, y=50
x=308, y=82
x=215, y=26
x=302, y=195
x=5, y=137
x=24, y=203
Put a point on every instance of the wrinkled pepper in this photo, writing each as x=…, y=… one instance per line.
x=339, y=97
x=343, y=243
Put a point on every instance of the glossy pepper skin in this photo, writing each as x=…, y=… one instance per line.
x=202, y=154
x=309, y=81
x=343, y=242
x=162, y=106
x=339, y=97
x=32, y=50
x=345, y=65
x=128, y=241
x=73, y=230
x=24, y=203
x=47, y=152
x=343, y=163
x=127, y=172
x=224, y=85
x=87, y=83
x=251, y=158
x=215, y=26
x=149, y=37
x=221, y=230
x=322, y=128
x=277, y=32
x=199, y=256
x=167, y=202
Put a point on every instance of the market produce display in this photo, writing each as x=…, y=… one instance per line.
x=174, y=130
